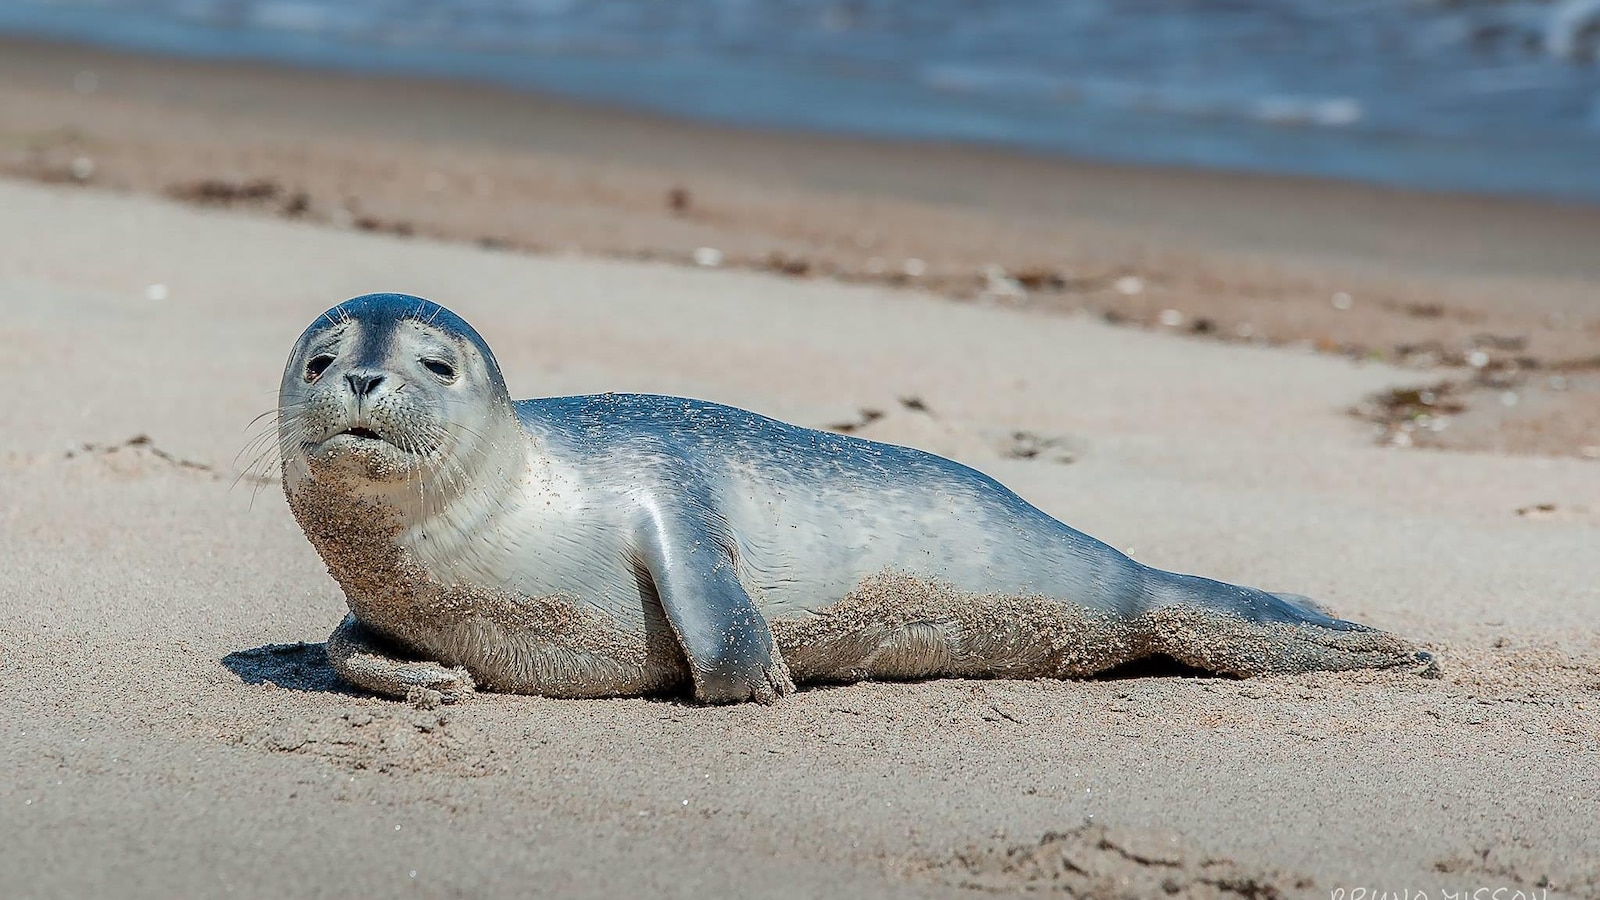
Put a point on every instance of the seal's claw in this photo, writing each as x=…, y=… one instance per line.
x=437, y=693
x=778, y=683
x=424, y=698
x=764, y=684
x=452, y=685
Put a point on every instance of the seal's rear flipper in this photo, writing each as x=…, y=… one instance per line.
x=1241, y=631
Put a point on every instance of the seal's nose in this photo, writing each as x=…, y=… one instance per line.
x=363, y=383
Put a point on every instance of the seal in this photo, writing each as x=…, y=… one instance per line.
x=626, y=544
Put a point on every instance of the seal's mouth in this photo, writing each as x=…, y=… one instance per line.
x=360, y=438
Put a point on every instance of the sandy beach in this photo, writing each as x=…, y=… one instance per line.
x=175, y=728
x=1488, y=301
x=171, y=735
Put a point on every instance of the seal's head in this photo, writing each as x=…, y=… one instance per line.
x=387, y=391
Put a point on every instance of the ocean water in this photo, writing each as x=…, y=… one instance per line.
x=1494, y=96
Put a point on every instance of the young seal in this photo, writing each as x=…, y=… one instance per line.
x=624, y=544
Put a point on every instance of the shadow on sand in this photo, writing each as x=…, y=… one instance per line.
x=294, y=667
x=1157, y=665
x=304, y=667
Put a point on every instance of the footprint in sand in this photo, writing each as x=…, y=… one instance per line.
x=1554, y=512
x=915, y=424
x=140, y=456
x=1095, y=861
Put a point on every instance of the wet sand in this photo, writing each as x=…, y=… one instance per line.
x=1489, y=304
x=174, y=728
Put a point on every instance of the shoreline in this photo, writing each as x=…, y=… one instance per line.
x=1485, y=298
x=1403, y=154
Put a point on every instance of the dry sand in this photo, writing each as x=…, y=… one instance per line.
x=1435, y=283
x=167, y=734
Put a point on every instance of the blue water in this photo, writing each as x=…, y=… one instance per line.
x=1490, y=96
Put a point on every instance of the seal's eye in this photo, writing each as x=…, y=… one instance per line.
x=439, y=367
x=317, y=365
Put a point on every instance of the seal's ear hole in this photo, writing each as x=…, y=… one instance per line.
x=439, y=367
x=317, y=365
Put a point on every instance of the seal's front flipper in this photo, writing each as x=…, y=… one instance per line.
x=725, y=638
x=361, y=658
